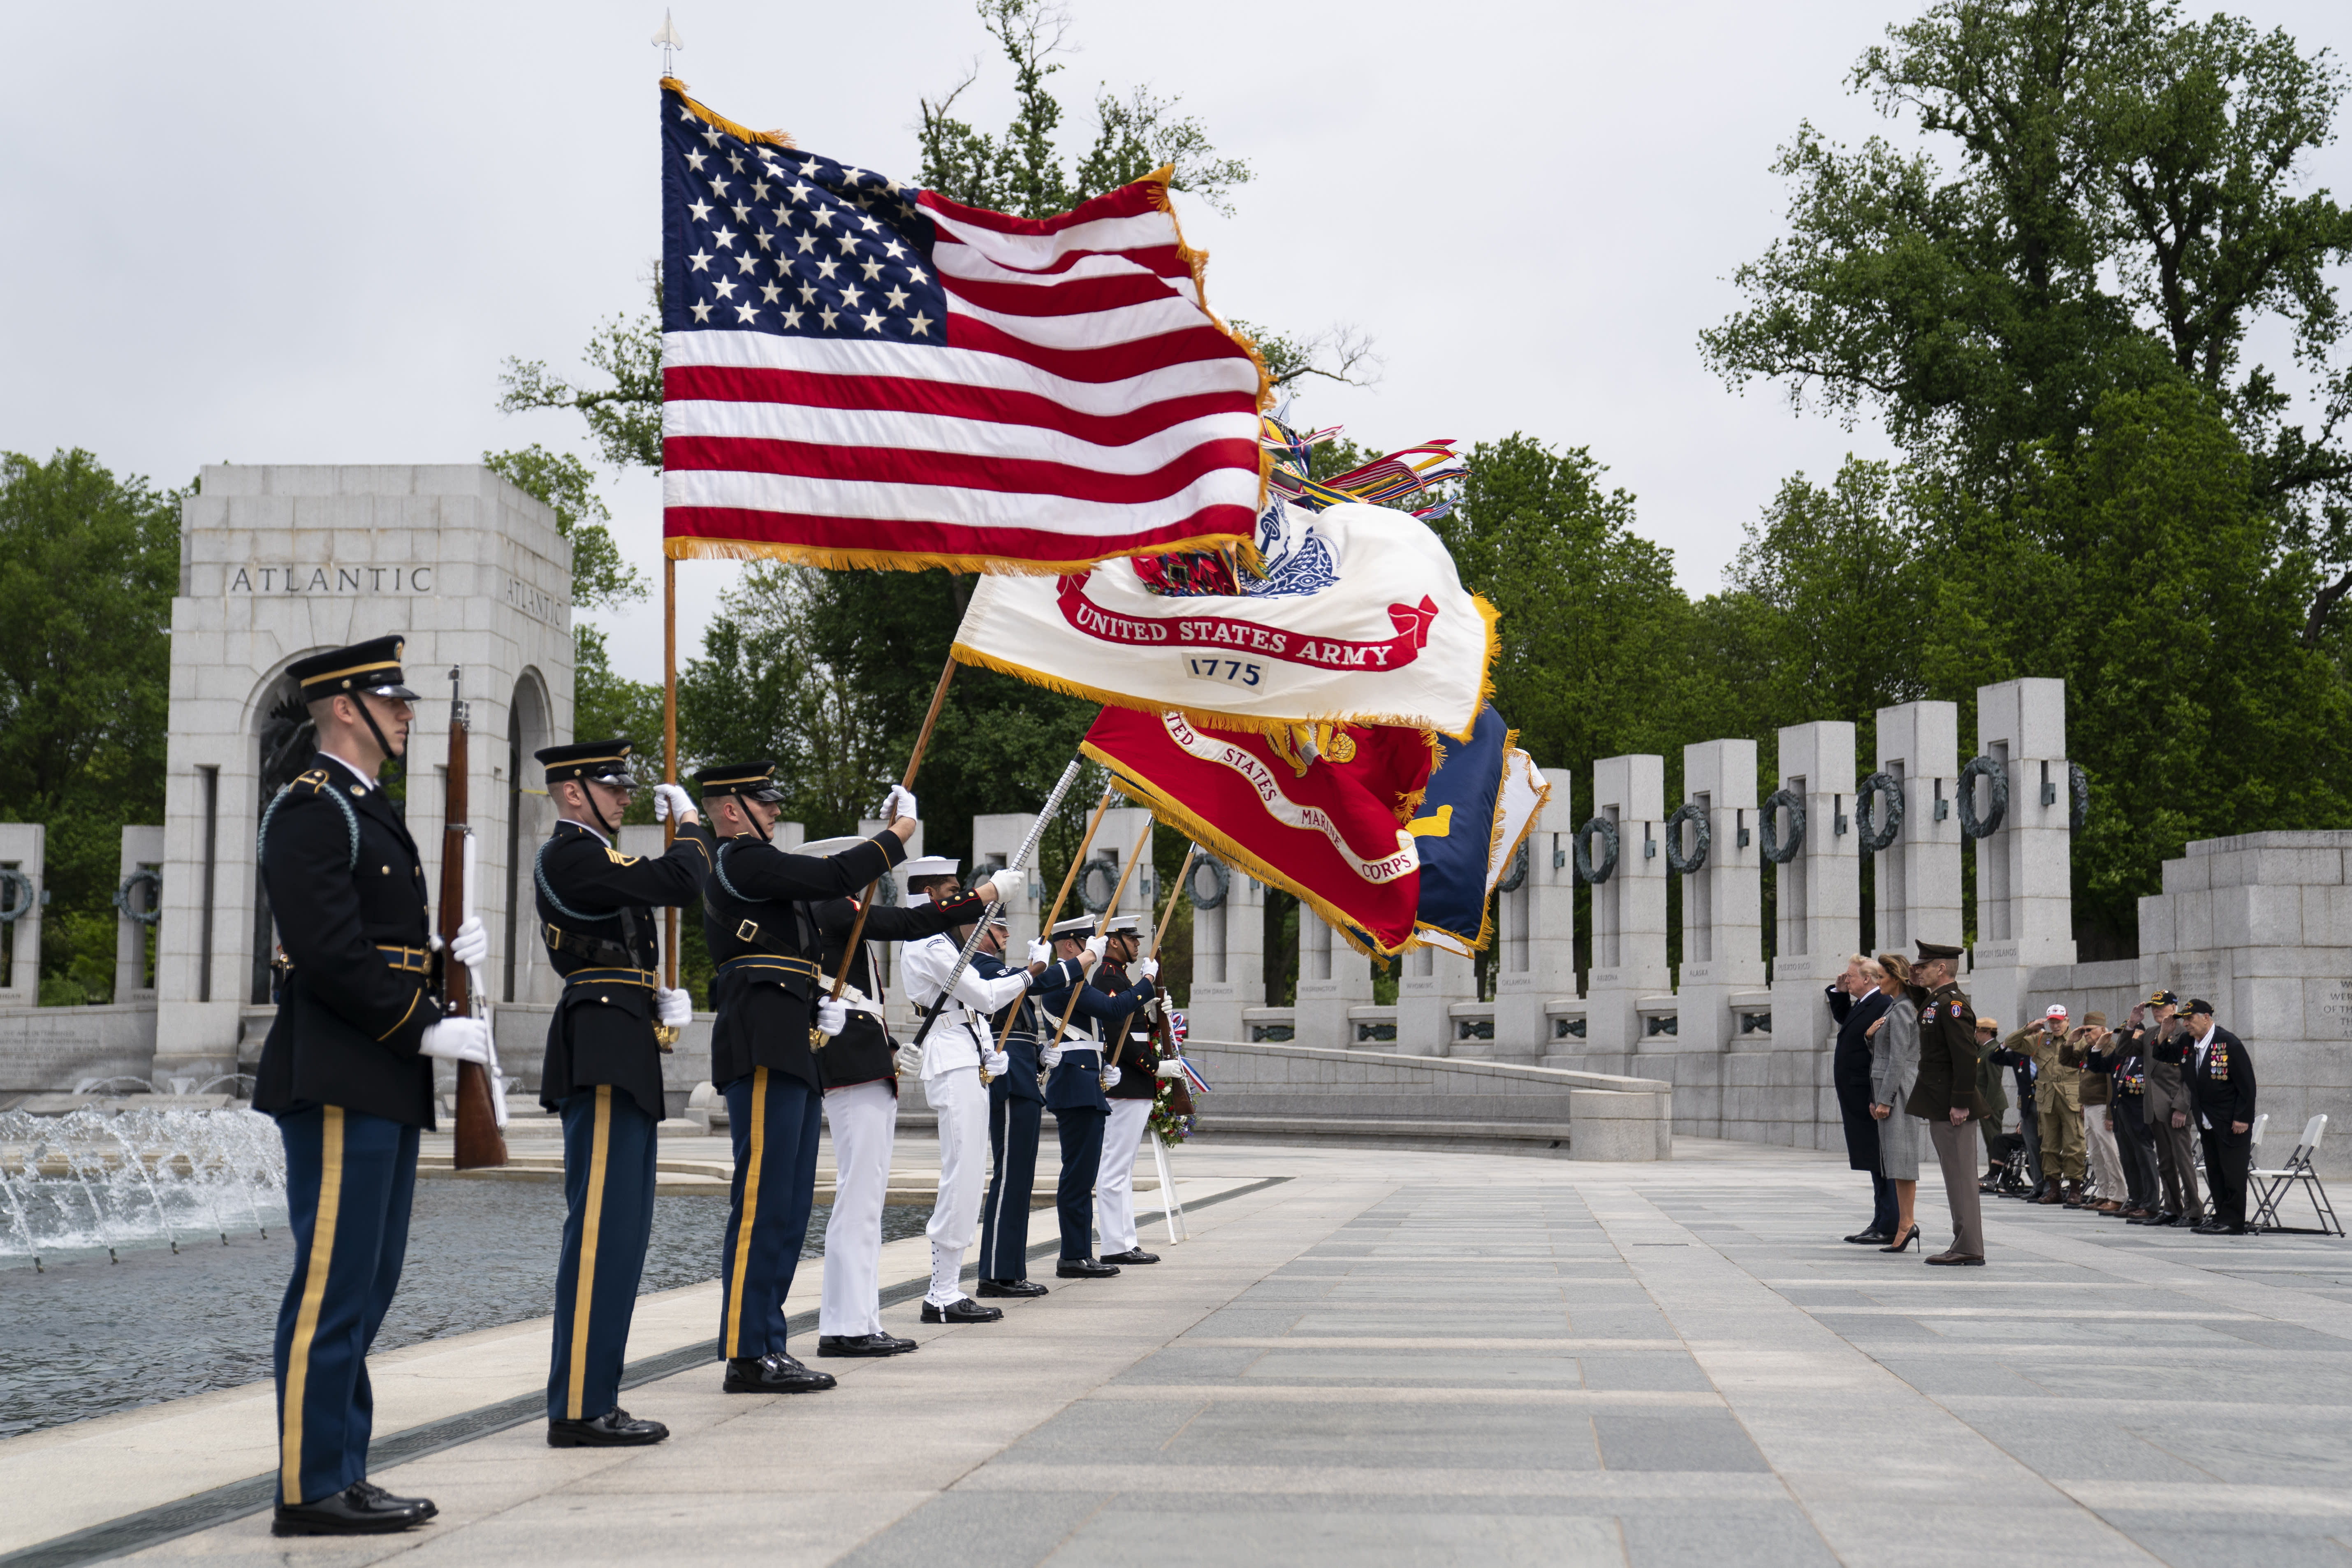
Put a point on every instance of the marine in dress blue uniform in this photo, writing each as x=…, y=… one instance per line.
x=1074, y=1092
x=759, y=918
x=602, y=1073
x=1016, y=1115
x=346, y=1073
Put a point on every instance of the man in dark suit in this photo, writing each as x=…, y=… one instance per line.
x=1856, y=1005
x=346, y=1074
x=2219, y=1071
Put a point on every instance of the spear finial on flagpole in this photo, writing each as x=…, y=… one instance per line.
x=667, y=39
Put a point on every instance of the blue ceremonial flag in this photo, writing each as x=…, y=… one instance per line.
x=1482, y=797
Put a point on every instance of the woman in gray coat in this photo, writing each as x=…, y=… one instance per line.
x=1894, y=1069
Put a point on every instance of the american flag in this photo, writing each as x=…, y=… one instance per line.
x=857, y=373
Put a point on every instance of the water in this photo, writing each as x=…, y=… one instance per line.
x=97, y=1182
x=87, y=1337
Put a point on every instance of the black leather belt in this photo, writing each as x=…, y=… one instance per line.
x=770, y=966
x=613, y=976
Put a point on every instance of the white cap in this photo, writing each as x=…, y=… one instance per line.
x=923, y=865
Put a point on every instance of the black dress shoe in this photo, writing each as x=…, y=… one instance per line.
x=358, y=1509
x=962, y=1310
x=614, y=1429
x=2209, y=1227
x=1132, y=1254
x=775, y=1372
x=1083, y=1268
x=1872, y=1238
x=384, y=1499
x=1010, y=1288
x=862, y=1344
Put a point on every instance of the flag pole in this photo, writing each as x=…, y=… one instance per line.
x=922, y=744
x=1068, y=877
x=669, y=747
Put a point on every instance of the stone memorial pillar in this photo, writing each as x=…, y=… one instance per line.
x=21, y=847
x=142, y=858
x=1429, y=981
x=1783, y=1092
x=1106, y=858
x=2025, y=909
x=995, y=839
x=1535, y=933
x=1228, y=949
x=277, y=562
x=1720, y=996
x=1629, y=907
x=1917, y=877
x=1332, y=978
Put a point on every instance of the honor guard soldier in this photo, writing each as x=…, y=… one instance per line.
x=1945, y=1096
x=1075, y=1091
x=758, y=919
x=1017, y=1113
x=346, y=1074
x=859, y=1066
x=956, y=1052
x=602, y=1073
x=1132, y=1091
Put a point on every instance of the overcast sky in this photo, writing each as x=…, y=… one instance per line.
x=280, y=233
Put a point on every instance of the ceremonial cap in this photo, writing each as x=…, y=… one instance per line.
x=606, y=761
x=1122, y=925
x=1929, y=952
x=1001, y=918
x=371, y=666
x=923, y=867
x=753, y=780
x=824, y=846
x=1076, y=929
x=2198, y=1004
x=2164, y=999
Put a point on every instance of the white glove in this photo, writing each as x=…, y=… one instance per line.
x=911, y=1062
x=457, y=1040
x=1110, y=1077
x=1040, y=951
x=675, y=1008
x=671, y=800
x=898, y=803
x=472, y=944
x=832, y=1016
x=1148, y=967
x=1051, y=1056
x=1153, y=1008
x=1172, y=1068
x=996, y=1063
x=1095, y=948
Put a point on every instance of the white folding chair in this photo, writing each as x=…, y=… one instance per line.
x=2271, y=1185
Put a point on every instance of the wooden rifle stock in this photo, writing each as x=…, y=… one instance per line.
x=479, y=1143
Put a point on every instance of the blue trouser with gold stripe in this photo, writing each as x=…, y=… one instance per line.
x=1081, y=1128
x=349, y=1177
x=608, y=1190
x=772, y=1118
x=1012, y=1126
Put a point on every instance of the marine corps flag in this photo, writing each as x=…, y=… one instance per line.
x=1320, y=811
x=857, y=373
x=1357, y=616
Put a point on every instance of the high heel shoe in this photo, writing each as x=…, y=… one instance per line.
x=1909, y=1238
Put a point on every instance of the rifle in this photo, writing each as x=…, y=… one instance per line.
x=479, y=1143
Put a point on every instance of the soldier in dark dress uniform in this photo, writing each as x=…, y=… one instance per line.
x=1945, y=1096
x=760, y=920
x=860, y=1068
x=1075, y=1092
x=1016, y=1114
x=346, y=1074
x=2219, y=1073
x=602, y=1073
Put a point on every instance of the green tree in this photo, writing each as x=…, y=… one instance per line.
x=88, y=563
x=2130, y=202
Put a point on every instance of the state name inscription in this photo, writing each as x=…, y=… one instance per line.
x=331, y=579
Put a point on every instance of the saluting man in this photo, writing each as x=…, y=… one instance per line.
x=1132, y=1088
x=773, y=1010
x=345, y=1073
x=1017, y=1114
x=1075, y=1092
x=955, y=1052
x=859, y=1066
x=602, y=1073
